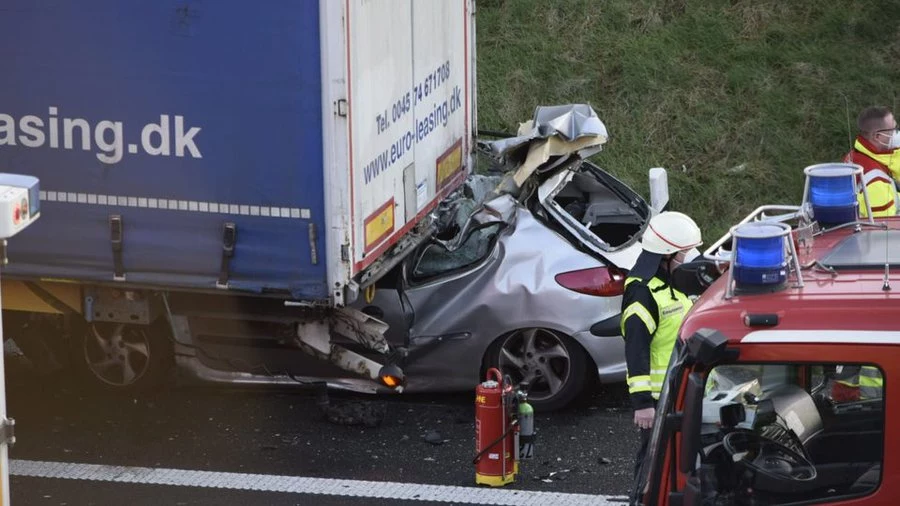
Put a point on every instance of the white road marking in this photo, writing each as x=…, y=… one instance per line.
x=303, y=485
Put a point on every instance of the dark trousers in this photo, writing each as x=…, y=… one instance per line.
x=642, y=451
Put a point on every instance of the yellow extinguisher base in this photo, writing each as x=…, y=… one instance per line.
x=497, y=481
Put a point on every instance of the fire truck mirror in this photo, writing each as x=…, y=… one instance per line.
x=708, y=347
x=692, y=418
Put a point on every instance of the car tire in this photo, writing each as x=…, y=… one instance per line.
x=120, y=357
x=553, y=363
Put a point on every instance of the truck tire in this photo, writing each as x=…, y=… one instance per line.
x=553, y=364
x=122, y=357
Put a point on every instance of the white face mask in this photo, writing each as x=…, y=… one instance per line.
x=893, y=141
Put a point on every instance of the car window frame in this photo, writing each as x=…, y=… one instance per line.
x=413, y=259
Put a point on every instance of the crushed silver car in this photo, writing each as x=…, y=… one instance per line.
x=531, y=279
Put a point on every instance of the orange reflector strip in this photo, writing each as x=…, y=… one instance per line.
x=379, y=225
x=449, y=163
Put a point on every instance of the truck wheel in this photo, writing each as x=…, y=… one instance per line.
x=120, y=357
x=554, y=365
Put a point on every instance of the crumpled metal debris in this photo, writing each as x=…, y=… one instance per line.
x=479, y=188
x=555, y=132
x=464, y=234
x=568, y=122
x=571, y=121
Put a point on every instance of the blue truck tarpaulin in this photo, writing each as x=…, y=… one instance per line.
x=179, y=117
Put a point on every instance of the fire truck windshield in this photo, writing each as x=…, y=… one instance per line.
x=778, y=433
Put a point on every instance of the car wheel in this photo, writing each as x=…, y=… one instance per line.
x=552, y=363
x=122, y=357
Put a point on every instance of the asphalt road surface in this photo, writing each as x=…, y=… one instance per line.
x=215, y=446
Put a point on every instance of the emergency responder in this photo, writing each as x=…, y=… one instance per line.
x=875, y=149
x=855, y=383
x=652, y=311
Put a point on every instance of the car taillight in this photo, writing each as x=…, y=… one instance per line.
x=599, y=281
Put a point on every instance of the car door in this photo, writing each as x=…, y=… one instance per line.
x=436, y=270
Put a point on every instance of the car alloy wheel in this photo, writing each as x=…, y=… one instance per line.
x=117, y=354
x=124, y=357
x=550, y=362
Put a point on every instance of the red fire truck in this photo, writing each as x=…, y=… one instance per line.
x=785, y=385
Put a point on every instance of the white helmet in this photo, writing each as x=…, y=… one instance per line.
x=670, y=232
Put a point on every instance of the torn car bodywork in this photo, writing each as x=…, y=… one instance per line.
x=492, y=272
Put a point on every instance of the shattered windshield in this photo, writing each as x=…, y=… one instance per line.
x=436, y=259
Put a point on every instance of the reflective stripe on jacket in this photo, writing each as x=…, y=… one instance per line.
x=882, y=195
x=867, y=379
x=879, y=171
x=871, y=383
x=663, y=325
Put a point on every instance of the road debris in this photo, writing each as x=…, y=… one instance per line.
x=553, y=476
x=434, y=437
x=369, y=414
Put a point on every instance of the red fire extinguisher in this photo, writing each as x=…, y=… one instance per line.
x=496, y=431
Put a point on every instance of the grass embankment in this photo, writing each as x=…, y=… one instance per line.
x=734, y=98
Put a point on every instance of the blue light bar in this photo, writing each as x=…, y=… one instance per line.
x=832, y=193
x=759, y=254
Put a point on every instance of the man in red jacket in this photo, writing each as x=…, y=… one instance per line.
x=876, y=150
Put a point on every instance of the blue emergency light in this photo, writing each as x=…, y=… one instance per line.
x=759, y=250
x=832, y=193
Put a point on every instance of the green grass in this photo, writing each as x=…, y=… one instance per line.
x=734, y=97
